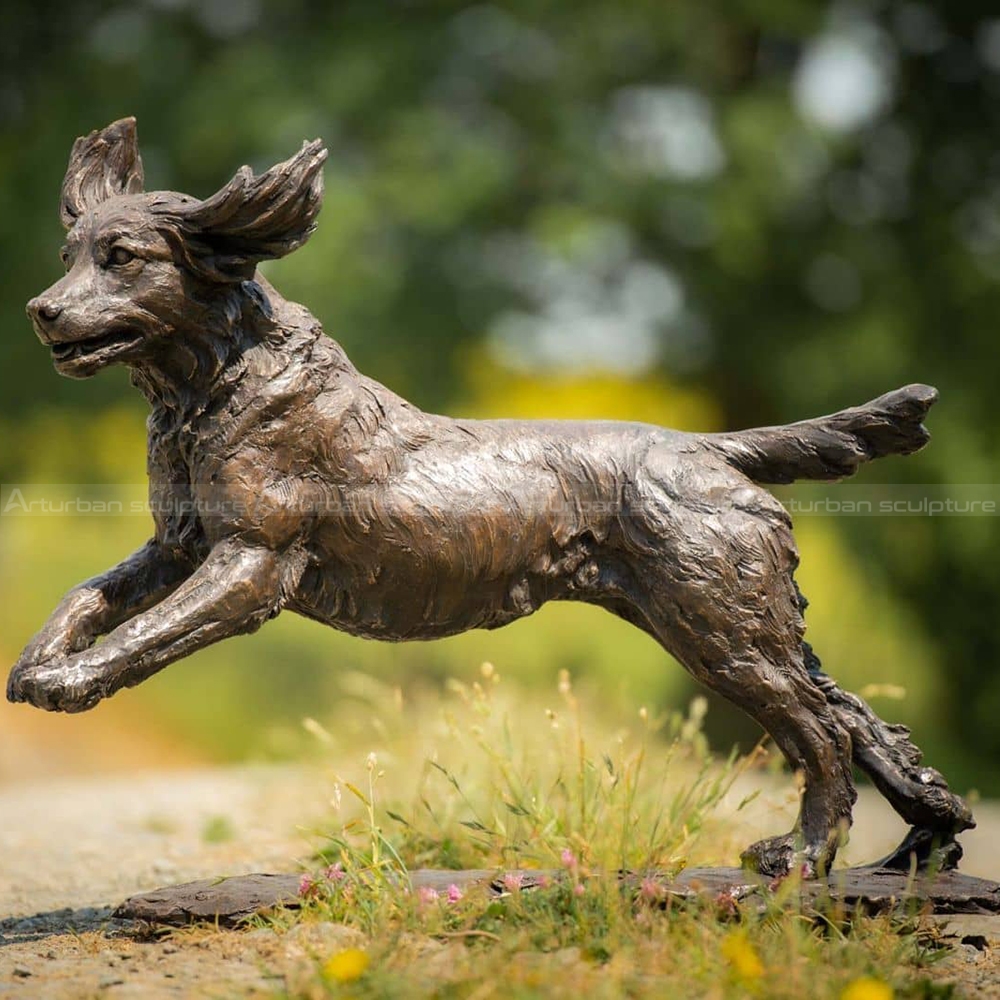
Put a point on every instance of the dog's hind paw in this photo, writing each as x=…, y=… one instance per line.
x=926, y=850
x=778, y=857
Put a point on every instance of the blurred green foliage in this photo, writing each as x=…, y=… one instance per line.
x=694, y=213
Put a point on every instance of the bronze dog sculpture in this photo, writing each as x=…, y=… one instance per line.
x=280, y=477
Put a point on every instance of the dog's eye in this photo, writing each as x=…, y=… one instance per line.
x=120, y=256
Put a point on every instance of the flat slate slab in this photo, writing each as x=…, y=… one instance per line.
x=873, y=890
x=229, y=901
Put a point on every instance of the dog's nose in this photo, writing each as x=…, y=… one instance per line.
x=43, y=310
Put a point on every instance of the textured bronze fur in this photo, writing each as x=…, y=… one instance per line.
x=283, y=478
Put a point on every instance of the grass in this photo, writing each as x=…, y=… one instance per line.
x=217, y=830
x=490, y=780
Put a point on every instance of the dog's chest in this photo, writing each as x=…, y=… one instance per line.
x=179, y=505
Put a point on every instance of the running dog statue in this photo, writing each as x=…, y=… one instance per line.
x=282, y=478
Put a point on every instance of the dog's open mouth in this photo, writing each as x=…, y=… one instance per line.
x=107, y=343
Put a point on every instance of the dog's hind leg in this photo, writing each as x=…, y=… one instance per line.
x=891, y=760
x=885, y=753
x=735, y=624
x=776, y=695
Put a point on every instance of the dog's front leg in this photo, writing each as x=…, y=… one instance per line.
x=96, y=606
x=234, y=591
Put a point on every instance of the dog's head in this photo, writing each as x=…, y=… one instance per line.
x=142, y=268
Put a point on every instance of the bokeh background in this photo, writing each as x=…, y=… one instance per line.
x=702, y=214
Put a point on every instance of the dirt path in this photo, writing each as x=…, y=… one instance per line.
x=72, y=848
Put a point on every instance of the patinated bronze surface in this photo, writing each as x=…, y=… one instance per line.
x=281, y=477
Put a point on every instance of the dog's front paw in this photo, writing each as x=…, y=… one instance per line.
x=58, y=685
x=19, y=674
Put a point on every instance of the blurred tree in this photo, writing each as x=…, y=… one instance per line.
x=788, y=207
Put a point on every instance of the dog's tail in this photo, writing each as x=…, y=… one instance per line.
x=831, y=447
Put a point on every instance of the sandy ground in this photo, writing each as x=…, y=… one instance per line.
x=71, y=848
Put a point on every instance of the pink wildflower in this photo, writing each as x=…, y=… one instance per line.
x=426, y=894
x=651, y=891
x=512, y=881
x=307, y=886
x=454, y=893
x=726, y=904
x=335, y=872
x=569, y=859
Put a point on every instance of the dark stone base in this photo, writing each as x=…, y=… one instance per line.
x=869, y=890
x=229, y=901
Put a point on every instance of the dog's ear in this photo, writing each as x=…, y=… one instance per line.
x=256, y=218
x=101, y=165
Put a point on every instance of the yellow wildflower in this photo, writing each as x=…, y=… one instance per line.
x=346, y=966
x=867, y=988
x=741, y=956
